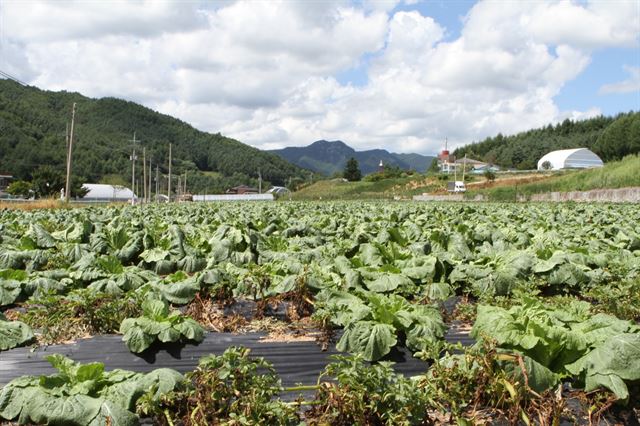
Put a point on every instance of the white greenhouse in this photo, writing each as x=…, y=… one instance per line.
x=580, y=158
x=102, y=192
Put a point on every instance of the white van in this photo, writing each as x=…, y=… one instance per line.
x=457, y=186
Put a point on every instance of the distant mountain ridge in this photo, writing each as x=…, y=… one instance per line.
x=330, y=157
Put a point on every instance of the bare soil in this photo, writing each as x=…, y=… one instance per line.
x=509, y=181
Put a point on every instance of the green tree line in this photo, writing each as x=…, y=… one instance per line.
x=33, y=127
x=611, y=138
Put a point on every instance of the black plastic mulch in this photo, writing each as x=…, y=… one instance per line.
x=295, y=362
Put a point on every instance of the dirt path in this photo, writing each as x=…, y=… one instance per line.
x=511, y=180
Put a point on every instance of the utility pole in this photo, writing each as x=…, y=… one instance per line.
x=67, y=188
x=149, y=186
x=144, y=174
x=455, y=172
x=259, y=182
x=133, y=170
x=185, y=182
x=464, y=167
x=157, y=183
x=446, y=149
x=179, y=186
x=169, y=185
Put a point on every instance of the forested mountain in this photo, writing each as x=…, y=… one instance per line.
x=330, y=157
x=32, y=134
x=610, y=137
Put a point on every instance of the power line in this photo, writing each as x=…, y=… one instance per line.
x=10, y=77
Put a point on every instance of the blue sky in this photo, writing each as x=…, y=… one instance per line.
x=582, y=93
x=396, y=74
x=448, y=13
x=606, y=67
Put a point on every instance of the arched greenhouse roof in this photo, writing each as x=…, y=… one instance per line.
x=99, y=191
x=579, y=158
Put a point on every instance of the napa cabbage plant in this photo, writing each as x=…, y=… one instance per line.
x=373, y=324
x=13, y=333
x=107, y=274
x=82, y=394
x=158, y=323
x=11, y=285
x=169, y=250
x=596, y=350
x=178, y=288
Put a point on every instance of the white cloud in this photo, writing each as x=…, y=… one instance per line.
x=630, y=85
x=579, y=115
x=264, y=72
x=46, y=21
x=381, y=5
x=602, y=23
x=14, y=61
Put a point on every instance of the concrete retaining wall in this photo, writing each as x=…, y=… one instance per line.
x=452, y=197
x=621, y=195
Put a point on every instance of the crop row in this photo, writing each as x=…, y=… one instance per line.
x=377, y=271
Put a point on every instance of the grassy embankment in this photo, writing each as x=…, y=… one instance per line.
x=46, y=203
x=49, y=203
x=615, y=174
x=336, y=189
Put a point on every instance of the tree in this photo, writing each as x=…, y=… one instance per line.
x=489, y=175
x=20, y=188
x=48, y=181
x=546, y=165
x=621, y=138
x=352, y=170
x=434, y=167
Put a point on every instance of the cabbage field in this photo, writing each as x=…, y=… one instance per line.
x=549, y=292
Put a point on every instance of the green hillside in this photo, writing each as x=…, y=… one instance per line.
x=32, y=134
x=610, y=137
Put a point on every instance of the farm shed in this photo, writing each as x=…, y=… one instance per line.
x=103, y=192
x=478, y=170
x=469, y=162
x=242, y=189
x=579, y=158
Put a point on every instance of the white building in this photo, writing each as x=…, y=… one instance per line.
x=234, y=197
x=103, y=192
x=579, y=158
